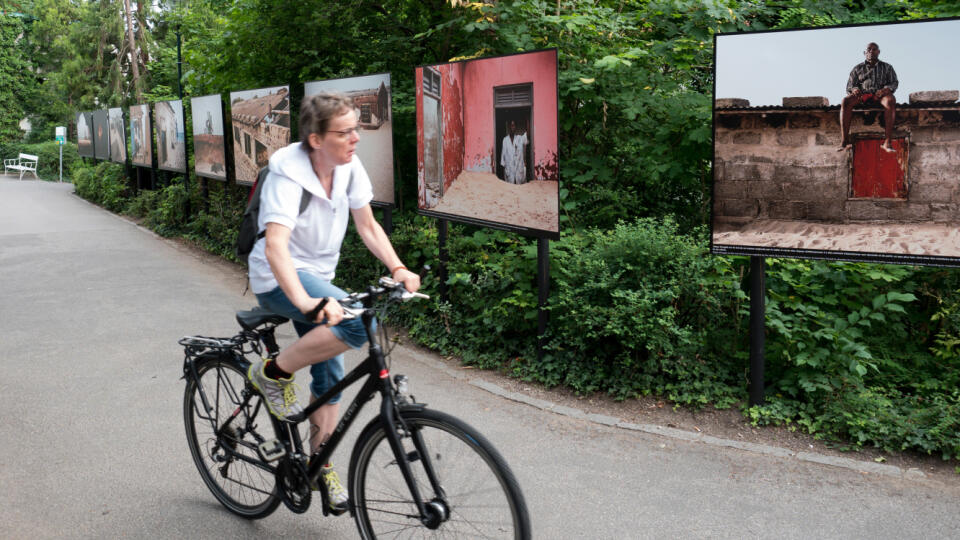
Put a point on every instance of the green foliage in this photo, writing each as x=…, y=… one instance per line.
x=104, y=184
x=640, y=309
x=14, y=79
x=847, y=354
x=634, y=99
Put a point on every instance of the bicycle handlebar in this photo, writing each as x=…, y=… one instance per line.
x=387, y=286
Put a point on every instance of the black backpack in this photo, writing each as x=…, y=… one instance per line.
x=248, y=234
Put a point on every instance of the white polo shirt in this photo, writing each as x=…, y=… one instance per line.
x=317, y=233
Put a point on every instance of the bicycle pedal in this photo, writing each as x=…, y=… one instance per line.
x=271, y=450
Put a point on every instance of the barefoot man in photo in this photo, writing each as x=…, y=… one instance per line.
x=871, y=81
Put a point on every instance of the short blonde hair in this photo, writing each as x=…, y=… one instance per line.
x=317, y=110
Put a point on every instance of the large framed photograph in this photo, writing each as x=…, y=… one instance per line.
x=118, y=136
x=261, y=126
x=487, y=142
x=141, y=152
x=209, y=150
x=101, y=134
x=171, y=139
x=838, y=143
x=371, y=96
x=85, y=134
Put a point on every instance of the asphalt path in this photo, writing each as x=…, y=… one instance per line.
x=92, y=442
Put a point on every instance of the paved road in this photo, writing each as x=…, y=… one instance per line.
x=91, y=432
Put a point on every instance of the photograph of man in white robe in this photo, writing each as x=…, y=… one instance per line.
x=513, y=151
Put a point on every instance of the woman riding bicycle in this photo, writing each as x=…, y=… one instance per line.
x=292, y=266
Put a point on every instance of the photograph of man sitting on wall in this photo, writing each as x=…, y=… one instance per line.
x=803, y=168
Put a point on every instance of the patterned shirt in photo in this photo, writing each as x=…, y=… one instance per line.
x=869, y=78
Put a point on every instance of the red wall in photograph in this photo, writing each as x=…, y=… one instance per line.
x=480, y=77
x=451, y=103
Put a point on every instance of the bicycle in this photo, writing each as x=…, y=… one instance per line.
x=410, y=467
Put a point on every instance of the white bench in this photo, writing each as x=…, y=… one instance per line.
x=23, y=163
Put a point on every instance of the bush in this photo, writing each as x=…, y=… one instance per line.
x=104, y=184
x=639, y=309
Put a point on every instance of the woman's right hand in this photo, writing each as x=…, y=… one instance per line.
x=330, y=315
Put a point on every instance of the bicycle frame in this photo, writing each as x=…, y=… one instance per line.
x=378, y=381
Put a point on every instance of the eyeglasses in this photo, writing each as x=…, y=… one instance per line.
x=347, y=132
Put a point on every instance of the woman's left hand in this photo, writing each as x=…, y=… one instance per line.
x=411, y=281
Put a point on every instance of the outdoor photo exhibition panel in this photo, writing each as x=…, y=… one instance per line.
x=140, y=134
x=838, y=143
x=85, y=134
x=208, y=145
x=487, y=142
x=371, y=96
x=171, y=139
x=101, y=134
x=118, y=138
x=261, y=126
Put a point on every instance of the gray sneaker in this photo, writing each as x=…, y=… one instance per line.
x=280, y=394
x=335, y=490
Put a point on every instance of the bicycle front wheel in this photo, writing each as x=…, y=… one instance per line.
x=467, y=487
x=223, y=441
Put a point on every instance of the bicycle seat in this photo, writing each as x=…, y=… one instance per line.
x=257, y=316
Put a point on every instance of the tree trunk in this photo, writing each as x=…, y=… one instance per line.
x=134, y=55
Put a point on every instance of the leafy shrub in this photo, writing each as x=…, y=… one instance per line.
x=172, y=211
x=104, y=184
x=639, y=309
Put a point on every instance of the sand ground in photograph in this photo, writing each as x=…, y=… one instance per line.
x=940, y=239
x=208, y=155
x=376, y=155
x=484, y=196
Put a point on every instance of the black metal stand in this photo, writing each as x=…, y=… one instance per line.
x=543, y=284
x=442, y=271
x=757, y=329
x=388, y=220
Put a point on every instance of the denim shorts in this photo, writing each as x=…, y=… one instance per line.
x=327, y=373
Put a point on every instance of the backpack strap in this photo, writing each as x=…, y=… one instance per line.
x=304, y=203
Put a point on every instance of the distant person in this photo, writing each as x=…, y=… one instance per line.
x=513, y=155
x=872, y=81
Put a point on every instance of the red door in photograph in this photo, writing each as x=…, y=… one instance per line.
x=879, y=174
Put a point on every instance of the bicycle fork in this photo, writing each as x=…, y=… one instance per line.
x=436, y=511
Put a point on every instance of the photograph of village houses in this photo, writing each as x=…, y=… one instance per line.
x=487, y=141
x=118, y=139
x=840, y=142
x=208, y=144
x=140, y=149
x=84, y=134
x=261, y=126
x=371, y=99
x=171, y=141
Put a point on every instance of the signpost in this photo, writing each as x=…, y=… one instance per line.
x=61, y=133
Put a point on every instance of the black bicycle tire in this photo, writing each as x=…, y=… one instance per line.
x=192, y=404
x=373, y=436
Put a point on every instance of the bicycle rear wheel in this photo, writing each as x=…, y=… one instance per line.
x=477, y=495
x=220, y=441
